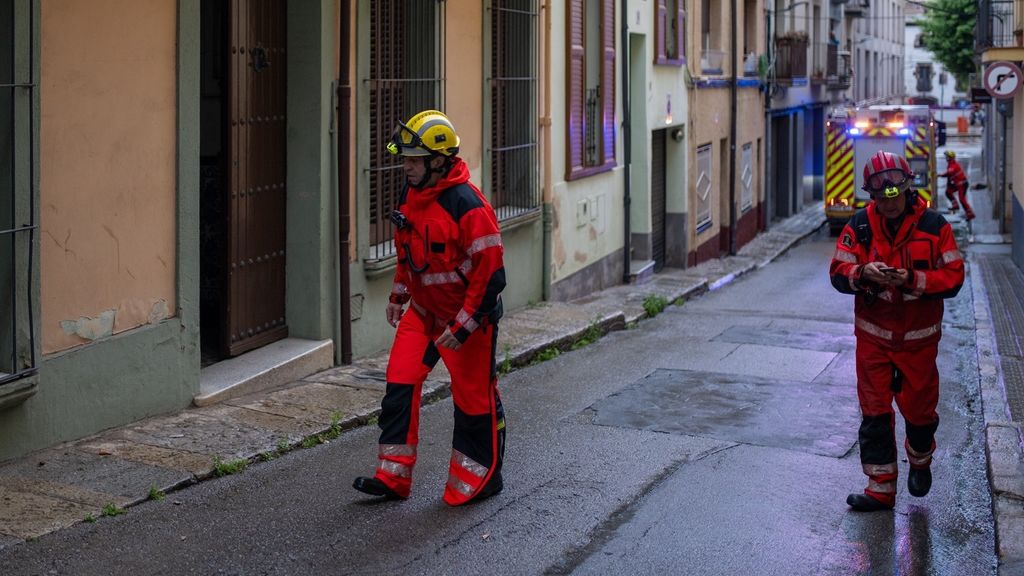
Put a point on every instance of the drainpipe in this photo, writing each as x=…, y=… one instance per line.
x=344, y=170
x=545, y=139
x=626, y=143
x=733, y=89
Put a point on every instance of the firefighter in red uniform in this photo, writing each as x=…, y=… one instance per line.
x=450, y=273
x=900, y=260
x=956, y=183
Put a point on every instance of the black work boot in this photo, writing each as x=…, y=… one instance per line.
x=864, y=503
x=493, y=486
x=375, y=487
x=919, y=481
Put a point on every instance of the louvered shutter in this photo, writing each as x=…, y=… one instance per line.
x=660, y=30
x=681, y=32
x=608, y=81
x=575, y=88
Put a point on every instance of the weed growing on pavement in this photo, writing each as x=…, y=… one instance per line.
x=112, y=510
x=335, y=430
x=222, y=468
x=282, y=446
x=506, y=365
x=592, y=334
x=372, y=421
x=654, y=304
x=267, y=456
x=156, y=494
x=547, y=354
x=89, y=518
x=310, y=441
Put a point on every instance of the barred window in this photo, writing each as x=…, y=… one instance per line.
x=747, y=177
x=17, y=191
x=514, y=187
x=591, y=87
x=406, y=76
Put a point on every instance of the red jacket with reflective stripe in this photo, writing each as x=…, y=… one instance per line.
x=954, y=173
x=908, y=315
x=450, y=256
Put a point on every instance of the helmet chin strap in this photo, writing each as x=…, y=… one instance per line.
x=429, y=170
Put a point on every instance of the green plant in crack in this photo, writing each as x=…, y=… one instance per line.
x=335, y=430
x=547, y=354
x=222, y=468
x=156, y=494
x=654, y=304
x=506, y=365
x=112, y=510
x=592, y=334
x=89, y=518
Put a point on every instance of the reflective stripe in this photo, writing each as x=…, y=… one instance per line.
x=882, y=487
x=483, y=242
x=440, y=278
x=468, y=464
x=399, y=288
x=888, y=334
x=420, y=309
x=951, y=256
x=887, y=295
x=459, y=486
x=920, y=282
x=917, y=459
x=851, y=276
x=466, y=266
x=397, y=450
x=879, y=469
x=873, y=330
x=922, y=333
x=844, y=256
x=909, y=297
x=466, y=320
x=395, y=468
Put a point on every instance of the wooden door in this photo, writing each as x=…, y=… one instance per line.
x=255, y=313
x=658, y=198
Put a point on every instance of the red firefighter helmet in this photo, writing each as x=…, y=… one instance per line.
x=887, y=172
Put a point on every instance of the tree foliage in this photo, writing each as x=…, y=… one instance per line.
x=948, y=27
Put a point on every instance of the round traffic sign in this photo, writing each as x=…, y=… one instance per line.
x=1002, y=79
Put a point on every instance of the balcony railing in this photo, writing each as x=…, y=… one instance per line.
x=838, y=72
x=999, y=24
x=790, y=58
x=711, y=61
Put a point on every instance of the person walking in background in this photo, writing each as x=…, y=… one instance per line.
x=956, y=183
x=899, y=259
x=450, y=272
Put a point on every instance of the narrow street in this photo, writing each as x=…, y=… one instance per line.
x=717, y=438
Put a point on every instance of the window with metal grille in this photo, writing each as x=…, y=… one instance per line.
x=406, y=76
x=591, y=87
x=514, y=189
x=704, y=184
x=17, y=191
x=670, y=32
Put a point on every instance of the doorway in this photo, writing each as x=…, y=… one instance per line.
x=243, y=176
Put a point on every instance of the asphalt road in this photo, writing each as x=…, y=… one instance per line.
x=717, y=438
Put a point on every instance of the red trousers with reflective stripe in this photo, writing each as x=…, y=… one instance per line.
x=917, y=400
x=474, y=392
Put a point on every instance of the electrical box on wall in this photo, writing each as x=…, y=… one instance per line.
x=582, y=213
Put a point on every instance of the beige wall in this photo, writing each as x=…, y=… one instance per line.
x=107, y=167
x=465, y=82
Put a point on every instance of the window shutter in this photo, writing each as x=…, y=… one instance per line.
x=608, y=81
x=575, y=88
x=660, y=30
x=681, y=32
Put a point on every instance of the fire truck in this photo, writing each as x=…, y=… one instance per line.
x=852, y=135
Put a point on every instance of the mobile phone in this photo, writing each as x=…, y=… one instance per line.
x=888, y=270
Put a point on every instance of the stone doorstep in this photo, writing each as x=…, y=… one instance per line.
x=273, y=365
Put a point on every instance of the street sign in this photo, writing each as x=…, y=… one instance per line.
x=1002, y=79
x=980, y=95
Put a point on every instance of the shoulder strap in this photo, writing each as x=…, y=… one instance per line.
x=861, y=227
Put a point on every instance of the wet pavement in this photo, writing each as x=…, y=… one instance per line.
x=61, y=486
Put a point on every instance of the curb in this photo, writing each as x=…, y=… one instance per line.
x=1002, y=438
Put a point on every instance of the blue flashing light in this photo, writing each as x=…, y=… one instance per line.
x=854, y=131
x=904, y=131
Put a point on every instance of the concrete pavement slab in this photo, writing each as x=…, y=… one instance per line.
x=124, y=480
x=29, y=515
x=730, y=407
x=111, y=444
x=202, y=432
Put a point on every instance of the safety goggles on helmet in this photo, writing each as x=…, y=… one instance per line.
x=889, y=182
x=406, y=142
